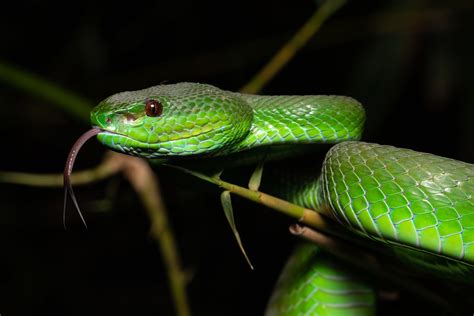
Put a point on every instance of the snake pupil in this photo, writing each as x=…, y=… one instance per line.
x=153, y=108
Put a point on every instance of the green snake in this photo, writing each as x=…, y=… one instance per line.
x=419, y=205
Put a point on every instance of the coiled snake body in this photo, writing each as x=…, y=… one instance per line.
x=399, y=197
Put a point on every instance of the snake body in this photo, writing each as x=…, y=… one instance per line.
x=315, y=283
x=415, y=203
x=402, y=197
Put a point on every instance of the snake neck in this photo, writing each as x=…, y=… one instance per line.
x=301, y=120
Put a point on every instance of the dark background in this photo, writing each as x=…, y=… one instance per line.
x=409, y=62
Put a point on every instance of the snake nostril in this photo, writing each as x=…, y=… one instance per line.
x=108, y=120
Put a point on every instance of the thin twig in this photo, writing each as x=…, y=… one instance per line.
x=107, y=168
x=145, y=183
x=287, y=52
x=302, y=214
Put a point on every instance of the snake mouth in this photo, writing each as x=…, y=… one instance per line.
x=104, y=132
x=111, y=133
x=184, y=146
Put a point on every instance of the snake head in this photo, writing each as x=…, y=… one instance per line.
x=181, y=119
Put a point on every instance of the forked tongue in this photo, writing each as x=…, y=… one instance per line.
x=68, y=170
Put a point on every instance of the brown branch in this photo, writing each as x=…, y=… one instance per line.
x=107, y=168
x=145, y=183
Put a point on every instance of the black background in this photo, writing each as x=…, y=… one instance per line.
x=409, y=62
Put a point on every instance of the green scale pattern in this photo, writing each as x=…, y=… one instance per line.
x=200, y=119
x=302, y=120
x=400, y=195
x=315, y=283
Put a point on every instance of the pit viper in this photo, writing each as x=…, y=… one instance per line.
x=418, y=205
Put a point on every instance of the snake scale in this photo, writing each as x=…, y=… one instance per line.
x=419, y=205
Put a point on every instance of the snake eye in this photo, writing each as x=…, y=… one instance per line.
x=153, y=108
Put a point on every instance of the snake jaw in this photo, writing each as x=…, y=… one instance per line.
x=190, y=145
